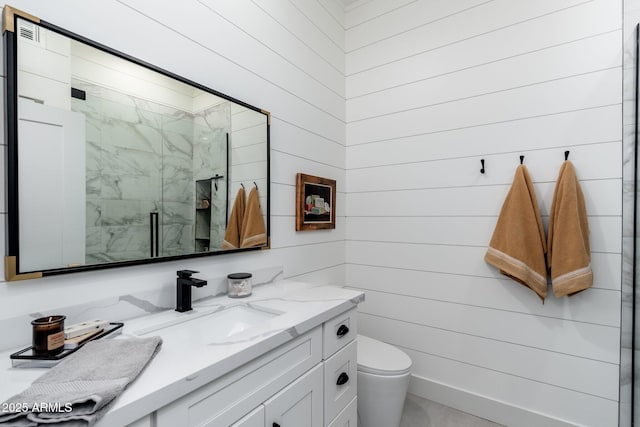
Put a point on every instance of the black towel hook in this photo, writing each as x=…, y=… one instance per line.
x=521, y=159
x=254, y=183
x=566, y=155
x=482, y=163
x=215, y=181
x=242, y=185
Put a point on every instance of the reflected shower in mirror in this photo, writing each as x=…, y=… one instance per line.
x=116, y=162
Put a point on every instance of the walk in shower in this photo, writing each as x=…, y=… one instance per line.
x=143, y=163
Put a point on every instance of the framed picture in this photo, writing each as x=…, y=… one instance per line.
x=315, y=203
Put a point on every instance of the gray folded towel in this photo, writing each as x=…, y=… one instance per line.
x=81, y=388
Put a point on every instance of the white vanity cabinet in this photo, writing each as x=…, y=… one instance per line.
x=294, y=367
x=298, y=405
x=254, y=419
x=143, y=422
x=340, y=370
x=310, y=381
x=348, y=417
x=226, y=400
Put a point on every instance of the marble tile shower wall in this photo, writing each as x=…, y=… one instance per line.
x=140, y=158
x=210, y=153
x=627, y=379
x=178, y=188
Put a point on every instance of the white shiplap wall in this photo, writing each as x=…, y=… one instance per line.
x=282, y=56
x=432, y=87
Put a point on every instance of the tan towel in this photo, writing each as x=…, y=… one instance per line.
x=569, y=254
x=518, y=244
x=234, y=226
x=253, y=231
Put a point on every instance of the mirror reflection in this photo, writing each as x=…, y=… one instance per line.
x=118, y=162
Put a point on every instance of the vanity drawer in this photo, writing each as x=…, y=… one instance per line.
x=348, y=417
x=339, y=331
x=340, y=380
x=142, y=422
x=227, y=399
x=254, y=419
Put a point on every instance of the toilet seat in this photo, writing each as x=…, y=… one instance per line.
x=376, y=357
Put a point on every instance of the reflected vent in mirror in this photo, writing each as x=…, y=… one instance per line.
x=78, y=94
x=29, y=31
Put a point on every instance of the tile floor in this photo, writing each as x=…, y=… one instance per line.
x=419, y=412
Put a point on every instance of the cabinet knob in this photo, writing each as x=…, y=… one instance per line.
x=342, y=378
x=342, y=330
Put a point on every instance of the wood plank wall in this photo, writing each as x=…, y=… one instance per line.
x=432, y=87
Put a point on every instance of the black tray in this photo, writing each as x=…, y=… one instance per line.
x=26, y=358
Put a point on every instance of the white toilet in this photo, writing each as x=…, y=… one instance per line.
x=383, y=379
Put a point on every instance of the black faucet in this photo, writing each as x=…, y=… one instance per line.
x=183, y=289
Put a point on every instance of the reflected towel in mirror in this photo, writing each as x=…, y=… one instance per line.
x=234, y=226
x=253, y=230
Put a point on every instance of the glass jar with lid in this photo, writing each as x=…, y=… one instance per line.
x=239, y=285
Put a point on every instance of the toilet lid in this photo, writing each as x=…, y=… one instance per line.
x=376, y=357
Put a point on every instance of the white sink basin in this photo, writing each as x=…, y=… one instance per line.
x=209, y=323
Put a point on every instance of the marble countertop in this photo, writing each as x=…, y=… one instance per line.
x=186, y=362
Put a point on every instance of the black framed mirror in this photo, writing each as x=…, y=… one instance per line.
x=112, y=161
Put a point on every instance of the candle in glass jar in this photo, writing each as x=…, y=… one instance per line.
x=48, y=335
x=239, y=285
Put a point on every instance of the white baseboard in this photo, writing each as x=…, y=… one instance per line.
x=481, y=406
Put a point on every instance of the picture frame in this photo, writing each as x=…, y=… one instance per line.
x=315, y=203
